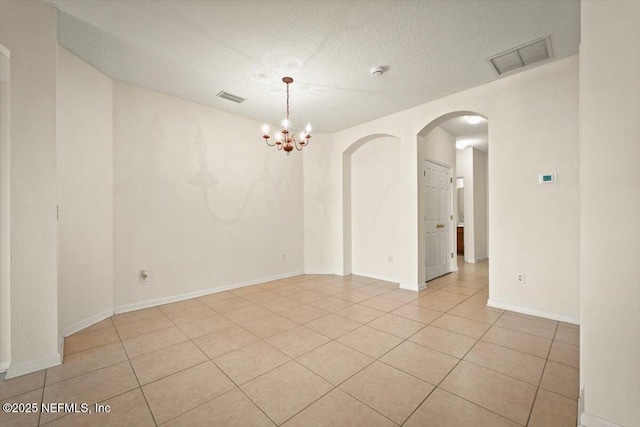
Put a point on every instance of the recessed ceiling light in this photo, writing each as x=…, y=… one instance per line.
x=474, y=120
x=377, y=71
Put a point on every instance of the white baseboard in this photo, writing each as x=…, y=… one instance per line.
x=86, y=323
x=534, y=311
x=412, y=287
x=16, y=370
x=4, y=366
x=312, y=271
x=589, y=420
x=375, y=276
x=482, y=258
x=175, y=298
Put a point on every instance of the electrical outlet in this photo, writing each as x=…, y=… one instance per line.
x=520, y=278
x=283, y=257
x=390, y=258
x=144, y=276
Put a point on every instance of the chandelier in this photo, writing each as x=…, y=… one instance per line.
x=285, y=140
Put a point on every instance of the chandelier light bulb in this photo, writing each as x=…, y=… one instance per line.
x=302, y=135
x=474, y=120
x=308, y=128
x=265, y=129
x=285, y=123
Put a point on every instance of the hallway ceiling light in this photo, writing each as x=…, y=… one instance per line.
x=474, y=120
x=284, y=140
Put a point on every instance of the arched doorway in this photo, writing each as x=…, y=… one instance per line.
x=347, y=206
x=438, y=210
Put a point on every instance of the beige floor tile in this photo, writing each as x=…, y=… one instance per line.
x=297, y=341
x=443, y=409
x=245, y=364
x=90, y=388
x=128, y=409
x=22, y=419
x=480, y=299
x=569, y=325
x=428, y=365
x=360, y=313
x=499, y=393
x=229, y=304
x=262, y=296
x=335, y=362
x=106, y=323
x=280, y=304
x=444, y=341
x=333, y=326
x=144, y=326
x=403, y=295
x=565, y=353
x=472, y=284
x=434, y=303
x=561, y=379
x=337, y=408
x=225, y=341
x=303, y=313
x=481, y=314
x=206, y=326
x=309, y=284
x=551, y=409
x=132, y=316
x=80, y=342
x=86, y=361
x=382, y=303
x=168, y=361
x=354, y=296
x=180, y=305
x=286, y=390
x=245, y=290
x=329, y=279
x=373, y=290
x=516, y=364
x=268, y=326
x=385, y=284
x=219, y=296
x=448, y=296
x=287, y=290
x=20, y=385
x=370, y=341
x=516, y=340
x=461, y=325
x=191, y=314
x=513, y=314
x=147, y=343
x=185, y=390
x=387, y=390
x=247, y=314
x=522, y=324
x=232, y=409
x=417, y=313
x=328, y=290
x=567, y=335
x=307, y=296
x=331, y=304
x=396, y=325
x=458, y=289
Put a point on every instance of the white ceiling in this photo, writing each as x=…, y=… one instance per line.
x=194, y=49
x=468, y=135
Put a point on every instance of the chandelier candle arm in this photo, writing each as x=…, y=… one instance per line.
x=284, y=140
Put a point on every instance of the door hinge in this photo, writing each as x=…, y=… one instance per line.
x=451, y=180
x=451, y=254
x=451, y=216
x=424, y=173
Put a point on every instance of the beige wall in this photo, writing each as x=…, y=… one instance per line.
x=610, y=212
x=200, y=201
x=85, y=193
x=534, y=129
x=28, y=31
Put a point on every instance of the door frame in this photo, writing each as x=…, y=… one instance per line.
x=453, y=265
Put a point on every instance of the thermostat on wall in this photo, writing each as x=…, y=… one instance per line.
x=547, y=178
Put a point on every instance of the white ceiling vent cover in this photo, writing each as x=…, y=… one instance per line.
x=229, y=97
x=535, y=51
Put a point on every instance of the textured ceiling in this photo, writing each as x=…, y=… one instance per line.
x=194, y=49
x=468, y=135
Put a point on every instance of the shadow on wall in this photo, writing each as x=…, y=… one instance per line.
x=203, y=178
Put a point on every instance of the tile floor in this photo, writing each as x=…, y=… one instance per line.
x=317, y=351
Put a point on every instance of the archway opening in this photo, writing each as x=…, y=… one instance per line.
x=452, y=193
x=370, y=168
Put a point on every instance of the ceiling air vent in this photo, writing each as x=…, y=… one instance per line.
x=522, y=56
x=229, y=97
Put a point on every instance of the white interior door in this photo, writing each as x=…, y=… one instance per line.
x=438, y=220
